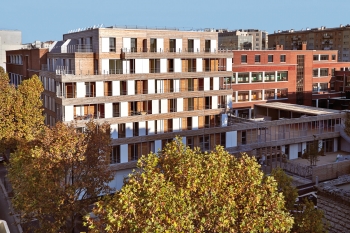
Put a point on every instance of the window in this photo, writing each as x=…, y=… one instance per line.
x=269, y=94
x=333, y=57
x=257, y=76
x=115, y=155
x=243, y=78
x=282, y=93
x=283, y=58
x=270, y=58
x=323, y=86
x=315, y=87
x=324, y=57
x=282, y=76
x=315, y=57
x=204, y=143
x=269, y=76
x=315, y=72
x=257, y=58
x=243, y=58
x=111, y=44
x=324, y=72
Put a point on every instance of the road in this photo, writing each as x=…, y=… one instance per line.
x=4, y=207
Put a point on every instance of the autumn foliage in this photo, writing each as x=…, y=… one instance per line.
x=185, y=190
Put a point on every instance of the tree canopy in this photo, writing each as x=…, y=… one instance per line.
x=21, y=116
x=185, y=190
x=56, y=176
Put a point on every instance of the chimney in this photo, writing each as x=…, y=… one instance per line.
x=279, y=47
x=303, y=45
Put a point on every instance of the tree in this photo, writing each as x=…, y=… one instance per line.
x=312, y=153
x=307, y=218
x=21, y=117
x=59, y=174
x=284, y=184
x=185, y=190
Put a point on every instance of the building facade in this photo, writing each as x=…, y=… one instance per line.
x=250, y=39
x=150, y=85
x=303, y=77
x=321, y=38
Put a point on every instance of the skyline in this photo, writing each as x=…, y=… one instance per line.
x=49, y=22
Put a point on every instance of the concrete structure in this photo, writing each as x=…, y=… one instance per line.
x=150, y=85
x=9, y=40
x=249, y=39
x=333, y=199
x=321, y=38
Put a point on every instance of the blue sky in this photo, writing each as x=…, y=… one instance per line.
x=49, y=20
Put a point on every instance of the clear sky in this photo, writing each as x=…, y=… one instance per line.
x=48, y=20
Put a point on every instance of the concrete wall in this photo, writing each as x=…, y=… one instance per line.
x=330, y=171
x=9, y=40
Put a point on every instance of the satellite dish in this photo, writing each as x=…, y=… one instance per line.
x=101, y=25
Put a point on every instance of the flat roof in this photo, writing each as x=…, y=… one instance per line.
x=299, y=108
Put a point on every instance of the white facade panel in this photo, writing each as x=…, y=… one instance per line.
x=114, y=131
x=142, y=128
x=180, y=104
x=160, y=126
x=206, y=83
x=115, y=88
x=124, y=109
x=124, y=153
x=195, y=122
x=145, y=66
x=151, y=86
x=214, y=102
x=129, y=129
x=178, y=45
x=177, y=124
x=157, y=145
x=138, y=66
x=224, y=120
x=80, y=89
x=177, y=65
x=160, y=45
x=228, y=64
x=196, y=45
x=231, y=139
x=216, y=83
x=160, y=86
x=213, y=46
x=126, y=67
x=68, y=113
x=118, y=181
x=151, y=127
x=199, y=65
x=155, y=106
x=176, y=85
x=108, y=110
x=229, y=101
x=99, y=89
x=293, y=151
x=126, y=44
x=105, y=66
x=163, y=66
x=105, y=45
x=164, y=106
x=131, y=87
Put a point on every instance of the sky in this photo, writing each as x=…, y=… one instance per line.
x=45, y=20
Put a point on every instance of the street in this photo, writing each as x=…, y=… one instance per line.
x=4, y=207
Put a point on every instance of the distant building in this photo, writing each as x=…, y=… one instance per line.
x=321, y=38
x=250, y=39
x=25, y=62
x=9, y=40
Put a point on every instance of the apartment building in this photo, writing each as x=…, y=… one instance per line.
x=249, y=39
x=321, y=38
x=305, y=77
x=150, y=85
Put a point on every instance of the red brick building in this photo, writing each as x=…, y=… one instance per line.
x=293, y=76
x=23, y=63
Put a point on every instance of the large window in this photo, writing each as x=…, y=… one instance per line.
x=269, y=94
x=282, y=76
x=243, y=58
x=257, y=76
x=323, y=86
x=315, y=72
x=243, y=96
x=115, y=155
x=243, y=77
x=282, y=93
x=269, y=76
x=324, y=57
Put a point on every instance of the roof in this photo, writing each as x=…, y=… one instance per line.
x=299, y=108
